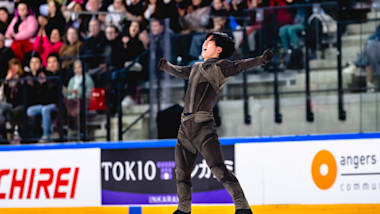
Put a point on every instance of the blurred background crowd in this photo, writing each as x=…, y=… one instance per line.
x=47, y=45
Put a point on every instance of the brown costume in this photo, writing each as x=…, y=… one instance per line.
x=197, y=132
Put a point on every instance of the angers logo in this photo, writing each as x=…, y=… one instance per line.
x=324, y=169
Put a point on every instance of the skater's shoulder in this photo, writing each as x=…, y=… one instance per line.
x=224, y=63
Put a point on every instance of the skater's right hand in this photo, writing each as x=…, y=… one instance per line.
x=162, y=62
x=267, y=55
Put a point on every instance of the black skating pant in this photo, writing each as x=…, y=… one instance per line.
x=194, y=138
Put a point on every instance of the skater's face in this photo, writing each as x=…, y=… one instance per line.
x=209, y=49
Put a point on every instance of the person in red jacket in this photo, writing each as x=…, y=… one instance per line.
x=23, y=27
x=45, y=45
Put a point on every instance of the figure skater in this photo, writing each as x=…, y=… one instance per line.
x=197, y=133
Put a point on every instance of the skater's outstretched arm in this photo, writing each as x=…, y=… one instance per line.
x=230, y=68
x=182, y=72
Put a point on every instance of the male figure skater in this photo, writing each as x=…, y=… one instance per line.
x=197, y=132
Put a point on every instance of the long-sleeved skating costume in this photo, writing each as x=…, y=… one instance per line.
x=197, y=132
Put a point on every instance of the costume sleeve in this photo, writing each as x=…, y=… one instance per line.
x=182, y=72
x=230, y=68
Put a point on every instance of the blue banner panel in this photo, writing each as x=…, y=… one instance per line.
x=147, y=176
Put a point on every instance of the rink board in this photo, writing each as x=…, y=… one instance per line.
x=84, y=203
x=259, y=209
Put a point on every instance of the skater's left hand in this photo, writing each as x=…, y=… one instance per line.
x=267, y=55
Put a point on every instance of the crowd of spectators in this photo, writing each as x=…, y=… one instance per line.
x=46, y=44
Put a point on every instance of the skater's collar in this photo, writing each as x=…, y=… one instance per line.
x=211, y=60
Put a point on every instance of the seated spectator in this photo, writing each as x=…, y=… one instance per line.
x=289, y=33
x=283, y=15
x=113, y=48
x=198, y=19
x=373, y=66
x=93, y=46
x=32, y=80
x=162, y=9
x=6, y=54
x=13, y=90
x=142, y=33
x=51, y=93
x=113, y=56
x=70, y=49
x=272, y=21
x=132, y=44
x=4, y=19
x=157, y=29
x=34, y=86
x=133, y=48
x=254, y=22
x=35, y=5
x=71, y=13
x=158, y=37
x=154, y=9
x=22, y=28
x=321, y=24
x=93, y=6
x=45, y=45
x=218, y=9
x=9, y=5
x=73, y=97
x=368, y=59
x=237, y=8
x=219, y=24
x=55, y=17
x=135, y=9
x=116, y=16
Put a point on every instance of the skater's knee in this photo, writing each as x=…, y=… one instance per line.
x=183, y=176
x=223, y=174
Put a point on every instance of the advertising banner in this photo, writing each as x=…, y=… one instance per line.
x=50, y=178
x=147, y=176
x=310, y=172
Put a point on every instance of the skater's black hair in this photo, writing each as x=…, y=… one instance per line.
x=225, y=42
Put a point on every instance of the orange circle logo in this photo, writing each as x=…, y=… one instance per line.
x=324, y=169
